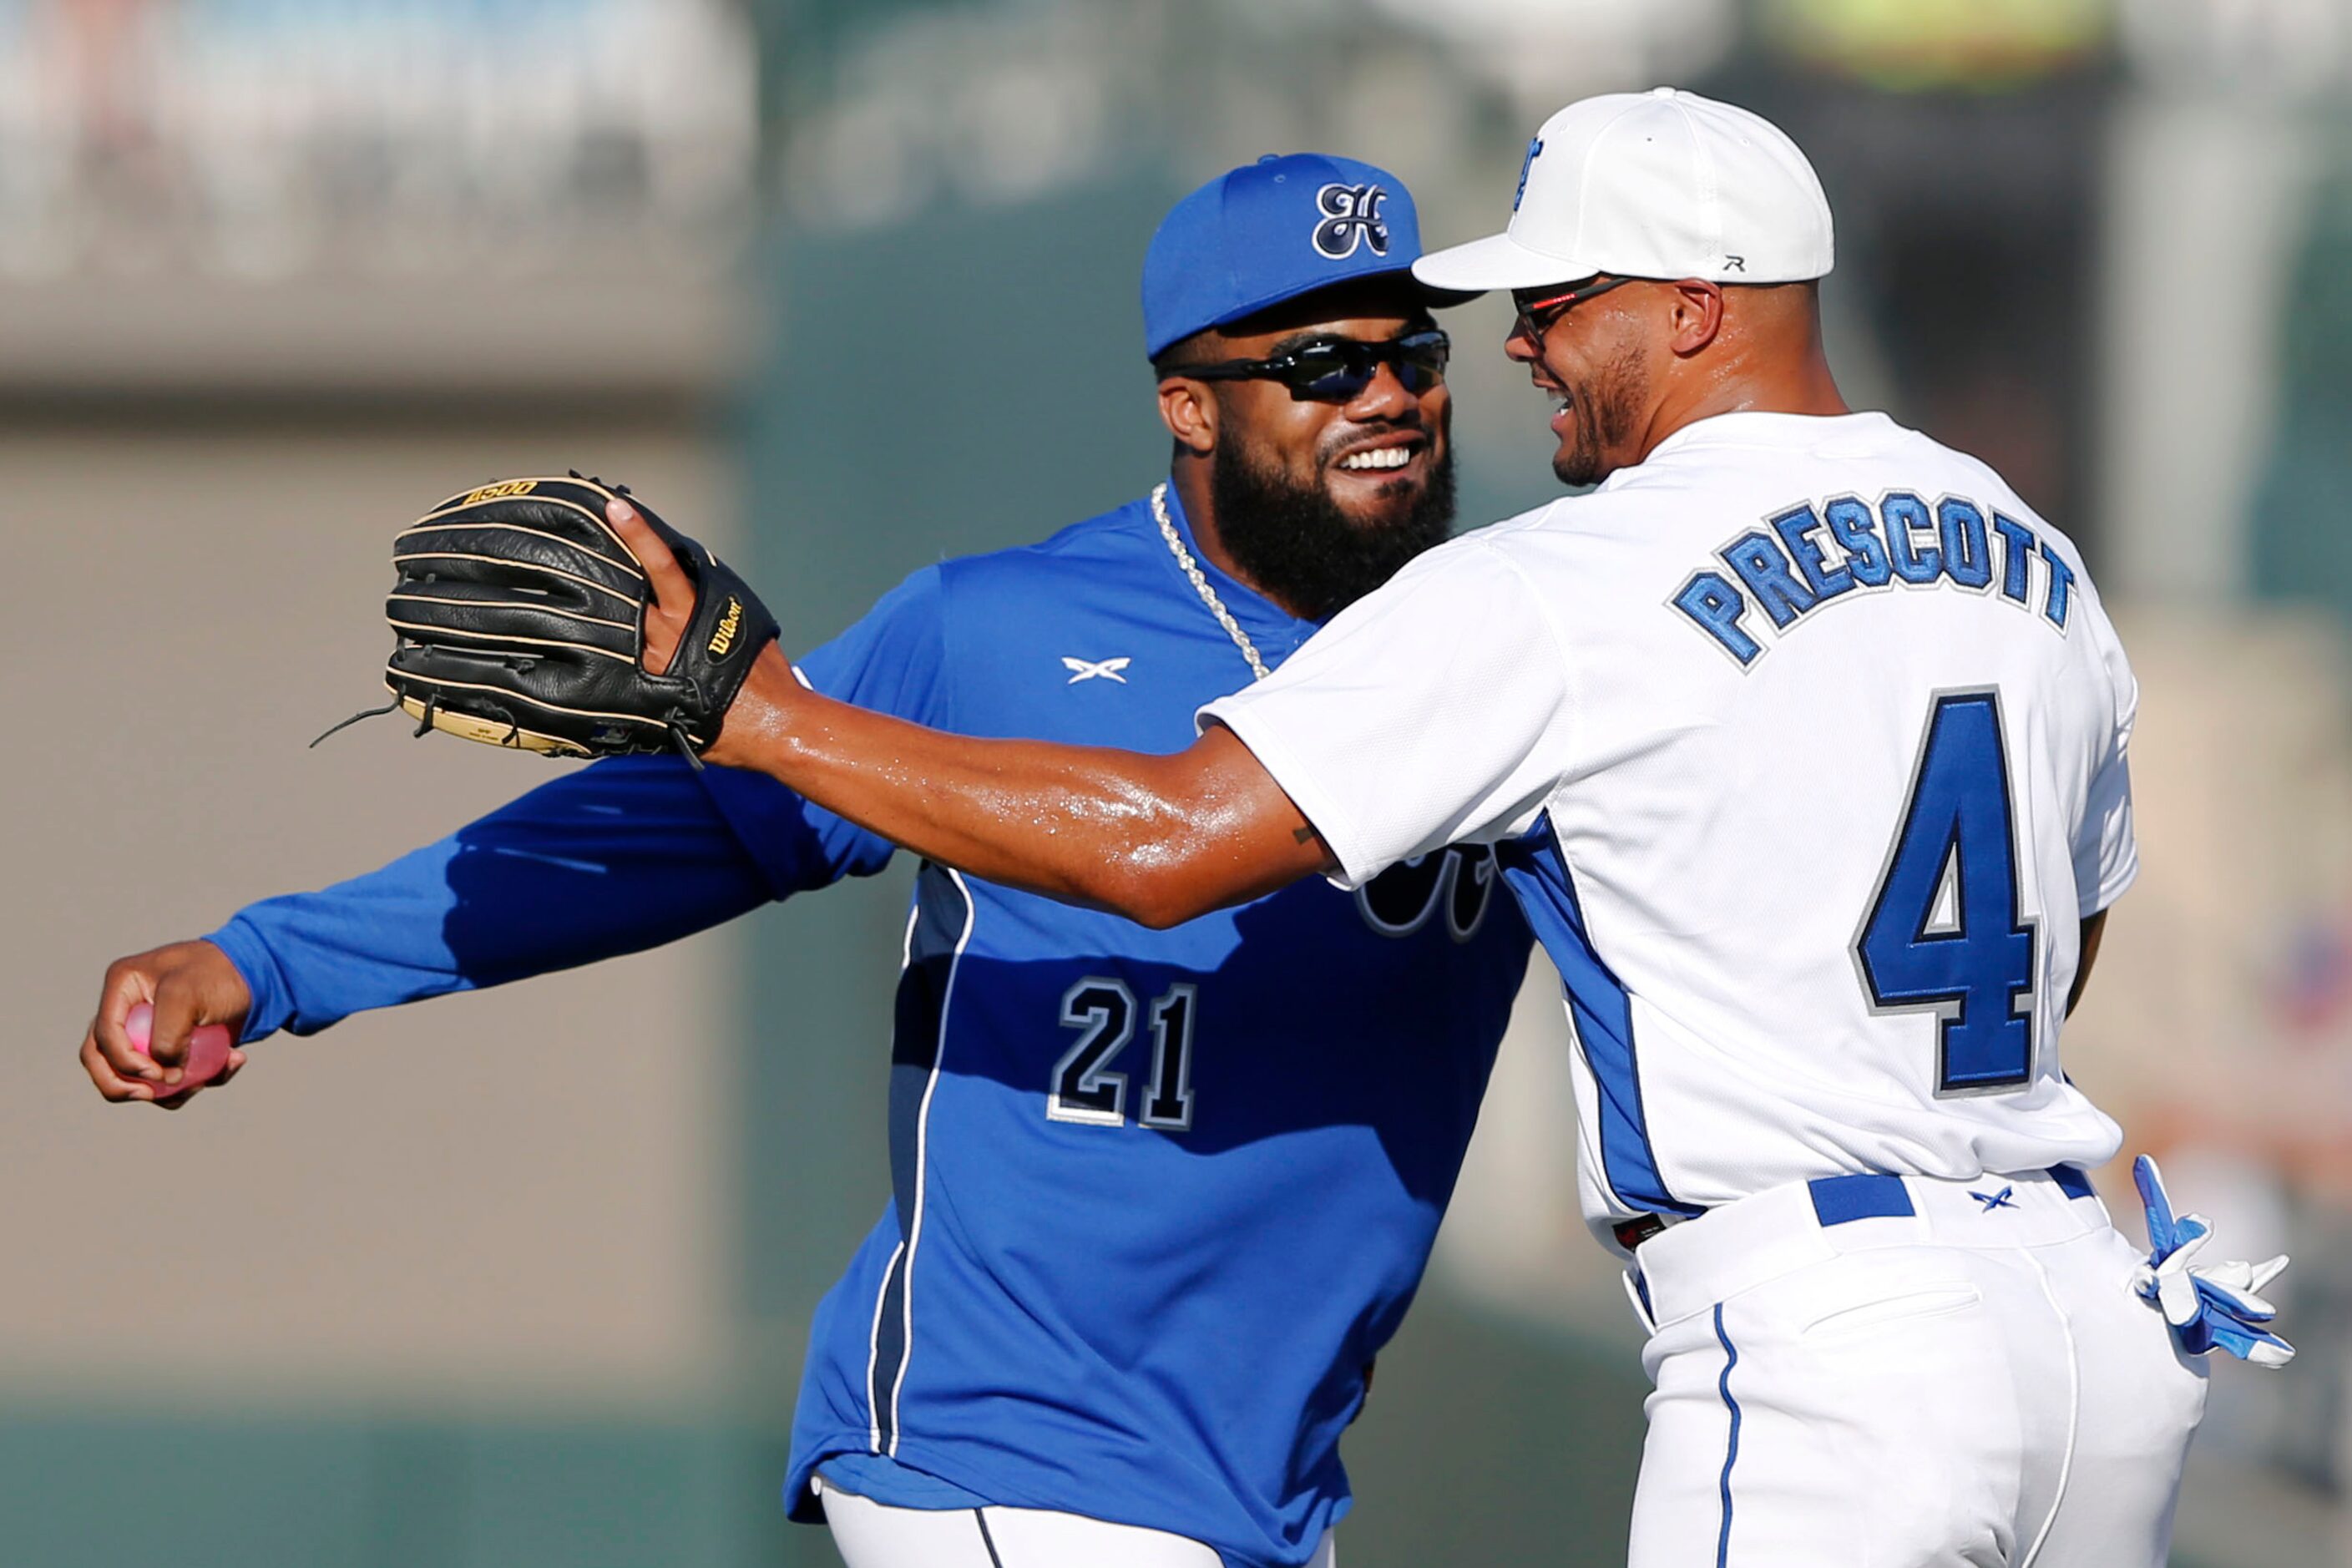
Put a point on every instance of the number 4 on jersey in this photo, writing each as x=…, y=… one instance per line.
x=1944, y=931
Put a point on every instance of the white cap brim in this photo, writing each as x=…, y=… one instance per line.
x=1497, y=261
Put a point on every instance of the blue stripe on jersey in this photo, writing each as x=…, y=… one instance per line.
x=936, y=935
x=1731, y=1448
x=886, y=1359
x=1604, y=1014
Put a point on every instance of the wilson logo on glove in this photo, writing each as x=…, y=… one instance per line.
x=520, y=616
x=725, y=636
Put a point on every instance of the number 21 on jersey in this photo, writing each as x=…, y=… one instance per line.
x=1944, y=932
x=1103, y=1012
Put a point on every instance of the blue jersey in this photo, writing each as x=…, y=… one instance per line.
x=1158, y=1196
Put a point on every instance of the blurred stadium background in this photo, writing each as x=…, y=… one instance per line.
x=522, y=1279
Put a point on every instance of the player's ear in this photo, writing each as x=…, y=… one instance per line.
x=1189, y=411
x=1696, y=315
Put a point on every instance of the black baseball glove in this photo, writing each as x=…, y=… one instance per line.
x=520, y=618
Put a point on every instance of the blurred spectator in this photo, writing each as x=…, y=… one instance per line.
x=268, y=137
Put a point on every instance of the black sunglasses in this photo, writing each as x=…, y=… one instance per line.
x=1553, y=307
x=1338, y=369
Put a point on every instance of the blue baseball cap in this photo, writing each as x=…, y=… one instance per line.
x=1271, y=231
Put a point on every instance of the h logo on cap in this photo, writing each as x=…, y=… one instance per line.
x=1352, y=215
x=1534, y=146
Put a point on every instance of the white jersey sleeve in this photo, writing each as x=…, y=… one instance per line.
x=1428, y=714
x=2107, y=856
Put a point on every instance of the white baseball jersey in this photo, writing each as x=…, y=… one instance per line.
x=1808, y=739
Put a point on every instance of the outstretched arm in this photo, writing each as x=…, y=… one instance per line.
x=1158, y=839
x=613, y=858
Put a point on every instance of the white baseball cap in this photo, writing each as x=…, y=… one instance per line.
x=1662, y=183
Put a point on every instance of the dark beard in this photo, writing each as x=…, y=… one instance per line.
x=1603, y=415
x=1296, y=547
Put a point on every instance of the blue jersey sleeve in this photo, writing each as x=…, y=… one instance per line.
x=616, y=857
x=890, y=662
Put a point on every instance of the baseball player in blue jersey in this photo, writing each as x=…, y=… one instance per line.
x=1160, y=1195
x=1803, y=742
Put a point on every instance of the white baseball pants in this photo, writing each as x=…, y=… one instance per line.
x=1874, y=1371
x=869, y=1534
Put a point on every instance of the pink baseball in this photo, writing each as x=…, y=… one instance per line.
x=207, y=1054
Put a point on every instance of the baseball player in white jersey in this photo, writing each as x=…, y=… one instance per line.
x=1803, y=743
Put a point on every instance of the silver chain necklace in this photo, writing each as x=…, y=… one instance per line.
x=1200, y=582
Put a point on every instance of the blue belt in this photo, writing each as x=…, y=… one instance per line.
x=1841, y=1200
